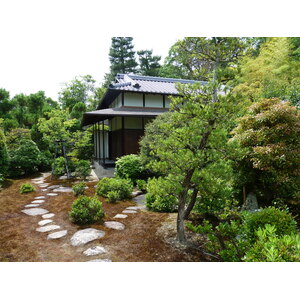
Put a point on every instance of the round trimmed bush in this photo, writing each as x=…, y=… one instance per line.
x=281, y=220
x=122, y=186
x=79, y=188
x=86, y=210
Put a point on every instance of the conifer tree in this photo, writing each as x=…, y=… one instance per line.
x=149, y=63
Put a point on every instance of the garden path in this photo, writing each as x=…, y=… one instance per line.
x=80, y=237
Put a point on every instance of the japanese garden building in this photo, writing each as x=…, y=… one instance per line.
x=127, y=106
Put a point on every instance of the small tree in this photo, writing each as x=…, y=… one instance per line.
x=269, y=136
x=4, y=160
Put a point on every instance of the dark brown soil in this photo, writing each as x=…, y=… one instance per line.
x=148, y=236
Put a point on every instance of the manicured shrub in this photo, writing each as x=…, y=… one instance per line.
x=160, y=196
x=281, y=220
x=113, y=196
x=141, y=185
x=122, y=186
x=60, y=166
x=4, y=161
x=26, y=188
x=270, y=247
x=86, y=210
x=82, y=169
x=79, y=188
x=1, y=179
x=130, y=167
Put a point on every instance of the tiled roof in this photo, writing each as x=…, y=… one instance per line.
x=103, y=114
x=147, y=84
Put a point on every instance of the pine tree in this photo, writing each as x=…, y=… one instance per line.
x=122, y=56
x=149, y=64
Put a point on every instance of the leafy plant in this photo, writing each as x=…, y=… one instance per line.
x=82, y=169
x=161, y=195
x=141, y=185
x=129, y=167
x=26, y=188
x=86, y=210
x=270, y=247
x=114, y=196
x=79, y=188
x=122, y=186
x=282, y=221
x=60, y=166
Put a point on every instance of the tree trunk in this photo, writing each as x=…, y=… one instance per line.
x=181, y=207
x=191, y=204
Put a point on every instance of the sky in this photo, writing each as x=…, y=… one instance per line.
x=45, y=45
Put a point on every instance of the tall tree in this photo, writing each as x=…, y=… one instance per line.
x=204, y=113
x=148, y=63
x=122, y=56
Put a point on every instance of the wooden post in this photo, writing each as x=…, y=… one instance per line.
x=103, y=143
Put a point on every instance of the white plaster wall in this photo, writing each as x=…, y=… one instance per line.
x=133, y=99
x=152, y=100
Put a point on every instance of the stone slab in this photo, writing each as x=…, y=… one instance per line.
x=127, y=211
x=47, y=228
x=94, y=251
x=52, y=194
x=120, y=216
x=32, y=205
x=38, y=181
x=35, y=211
x=114, y=225
x=44, y=222
x=140, y=200
x=48, y=216
x=57, y=235
x=51, y=187
x=44, y=190
x=39, y=197
x=100, y=260
x=84, y=236
x=63, y=189
x=38, y=201
x=133, y=207
x=44, y=185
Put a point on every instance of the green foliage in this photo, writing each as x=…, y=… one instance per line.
x=282, y=221
x=270, y=247
x=83, y=169
x=141, y=185
x=83, y=146
x=60, y=166
x=122, y=186
x=86, y=210
x=79, y=188
x=161, y=195
x=4, y=159
x=25, y=159
x=130, y=167
x=114, y=196
x=148, y=63
x=2, y=179
x=269, y=137
x=26, y=188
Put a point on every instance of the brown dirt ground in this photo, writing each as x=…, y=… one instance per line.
x=148, y=236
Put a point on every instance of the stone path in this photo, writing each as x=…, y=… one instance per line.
x=81, y=237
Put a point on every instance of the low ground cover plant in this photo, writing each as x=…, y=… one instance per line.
x=123, y=187
x=26, y=188
x=86, y=210
x=79, y=188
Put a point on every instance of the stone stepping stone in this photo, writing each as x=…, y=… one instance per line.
x=84, y=236
x=136, y=193
x=44, y=190
x=94, y=251
x=39, y=182
x=39, y=178
x=114, y=225
x=39, y=197
x=63, y=190
x=57, y=235
x=120, y=216
x=38, y=201
x=48, y=216
x=133, y=208
x=100, y=260
x=63, y=177
x=44, y=222
x=47, y=228
x=127, y=211
x=31, y=205
x=52, y=194
x=51, y=187
x=43, y=185
x=35, y=211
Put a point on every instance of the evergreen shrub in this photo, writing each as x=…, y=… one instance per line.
x=26, y=188
x=86, y=210
x=79, y=188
